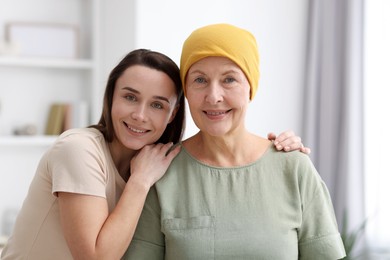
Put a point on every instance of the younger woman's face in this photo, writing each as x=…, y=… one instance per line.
x=144, y=102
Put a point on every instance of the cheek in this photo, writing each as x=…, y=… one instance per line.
x=115, y=111
x=247, y=91
x=194, y=98
x=160, y=120
x=244, y=94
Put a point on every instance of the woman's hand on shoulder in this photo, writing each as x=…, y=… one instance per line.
x=288, y=141
x=151, y=162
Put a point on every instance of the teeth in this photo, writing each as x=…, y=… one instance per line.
x=215, y=113
x=137, y=130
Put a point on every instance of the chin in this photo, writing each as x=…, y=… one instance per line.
x=135, y=145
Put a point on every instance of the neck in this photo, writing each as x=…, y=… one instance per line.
x=226, y=151
x=121, y=157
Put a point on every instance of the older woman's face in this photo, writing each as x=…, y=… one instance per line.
x=218, y=95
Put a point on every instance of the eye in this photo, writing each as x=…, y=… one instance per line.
x=200, y=80
x=130, y=97
x=229, y=80
x=157, y=105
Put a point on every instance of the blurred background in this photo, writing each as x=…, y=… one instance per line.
x=324, y=69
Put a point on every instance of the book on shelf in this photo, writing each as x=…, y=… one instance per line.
x=64, y=116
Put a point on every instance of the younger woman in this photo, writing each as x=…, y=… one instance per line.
x=86, y=197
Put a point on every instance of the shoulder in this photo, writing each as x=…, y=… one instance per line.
x=289, y=159
x=73, y=142
x=82, y=134
x=293, y=164
x=182, y=168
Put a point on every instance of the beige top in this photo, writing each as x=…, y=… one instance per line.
x=78, y=162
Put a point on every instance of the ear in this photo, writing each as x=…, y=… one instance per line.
x=173, y=113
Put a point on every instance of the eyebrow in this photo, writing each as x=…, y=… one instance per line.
x=137, y=92
x=235, y=71
x=196, y=72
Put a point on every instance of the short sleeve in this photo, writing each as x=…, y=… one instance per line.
x=318, y=235
x=148, y=242
x=76, y=165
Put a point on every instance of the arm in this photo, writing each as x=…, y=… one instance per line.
x=318, y=235
x=90, y=230
x=288, y=141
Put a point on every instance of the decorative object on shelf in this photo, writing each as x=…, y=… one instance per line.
x=49, y=40
x=29, y=129
x=63, y=116
x=56, y=122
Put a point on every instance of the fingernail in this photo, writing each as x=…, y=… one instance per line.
x=287, y=148
x=279, y=147
x=276, y=142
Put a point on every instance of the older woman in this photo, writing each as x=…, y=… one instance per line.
x=229, y=194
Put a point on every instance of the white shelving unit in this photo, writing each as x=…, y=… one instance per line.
x=22, y=141
x=52, y=63
x=29, y=85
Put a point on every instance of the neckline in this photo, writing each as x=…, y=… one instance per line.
x=269, y=149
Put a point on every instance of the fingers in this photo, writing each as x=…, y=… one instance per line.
x=150, y=164
x=173, y=150
x=286, y=135
x=305, y=150
x=288, y=141
x=271, y=136
x=291, y=144
x=165, y=151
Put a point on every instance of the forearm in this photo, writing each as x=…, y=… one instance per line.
x=119, y=228
x=108, y=235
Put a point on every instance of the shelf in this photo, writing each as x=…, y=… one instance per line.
x=46, y=63
x=39, y=140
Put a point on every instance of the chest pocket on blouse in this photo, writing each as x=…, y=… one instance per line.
x=189, y=238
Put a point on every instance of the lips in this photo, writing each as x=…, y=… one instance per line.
x=216, y=113
x=136, y=129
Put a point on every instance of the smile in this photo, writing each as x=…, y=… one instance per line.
x=135, y=130
x=217, y=113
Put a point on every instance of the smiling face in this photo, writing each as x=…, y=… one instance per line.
x=144, y=102
x=218, y=94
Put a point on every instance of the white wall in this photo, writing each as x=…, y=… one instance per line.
x=117, y=34
x=280, y=29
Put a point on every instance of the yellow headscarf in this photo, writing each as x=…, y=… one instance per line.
x=222, y=40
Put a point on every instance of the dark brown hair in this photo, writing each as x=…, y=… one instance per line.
x=154, y=60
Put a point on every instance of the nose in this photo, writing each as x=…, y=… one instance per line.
x=214, y=93
x=139, y=113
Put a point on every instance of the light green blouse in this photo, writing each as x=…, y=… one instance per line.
x=274, y=208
